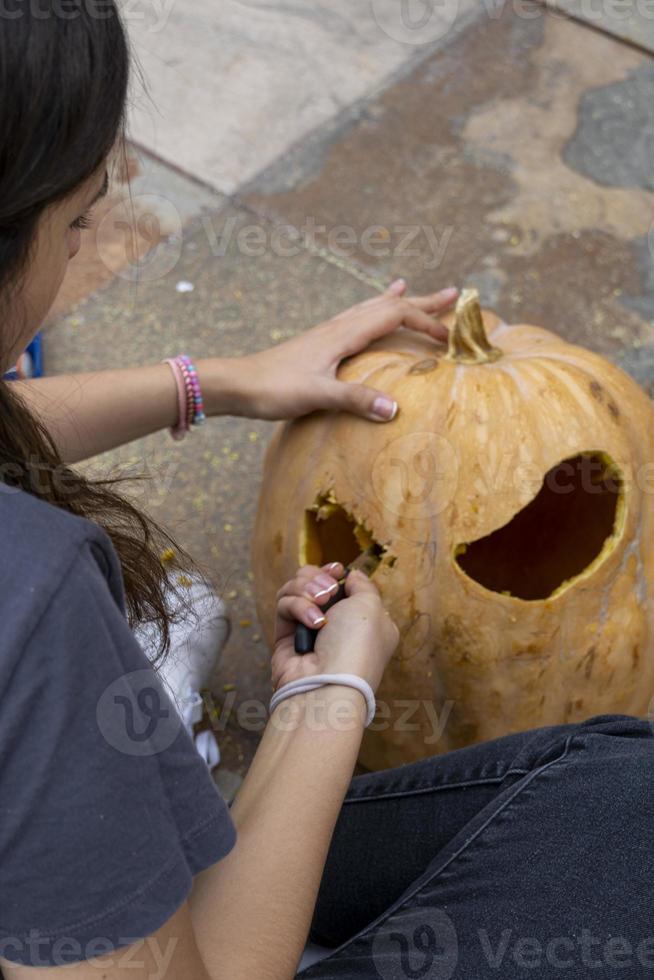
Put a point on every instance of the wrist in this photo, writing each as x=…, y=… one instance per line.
x=224, y=385
x=331, y=708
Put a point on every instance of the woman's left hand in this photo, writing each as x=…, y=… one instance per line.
x=299, y=376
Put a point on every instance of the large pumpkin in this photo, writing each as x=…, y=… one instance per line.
x=510, y=507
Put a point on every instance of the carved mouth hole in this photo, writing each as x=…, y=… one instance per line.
x=568, y=529
x=332, y=534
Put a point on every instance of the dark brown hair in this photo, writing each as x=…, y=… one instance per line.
x=63, y=88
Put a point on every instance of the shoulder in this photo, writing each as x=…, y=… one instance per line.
x=41, y=548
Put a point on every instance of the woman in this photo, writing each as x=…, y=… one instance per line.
x=117, y=857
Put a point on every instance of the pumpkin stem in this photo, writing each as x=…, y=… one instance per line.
x=468, y=343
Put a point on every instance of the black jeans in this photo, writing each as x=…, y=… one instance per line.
x=527, y=857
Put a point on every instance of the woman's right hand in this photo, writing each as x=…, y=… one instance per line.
x=358, y=636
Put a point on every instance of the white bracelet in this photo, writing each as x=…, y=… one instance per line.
x=305, y=684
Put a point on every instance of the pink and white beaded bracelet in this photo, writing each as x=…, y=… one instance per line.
x=190, y=404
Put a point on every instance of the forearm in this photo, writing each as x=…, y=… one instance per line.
x=88, y=414
x=252, y=911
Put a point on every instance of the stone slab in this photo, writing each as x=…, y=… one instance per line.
x=231, y=85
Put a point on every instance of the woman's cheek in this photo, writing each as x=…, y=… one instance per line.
x=74, y=242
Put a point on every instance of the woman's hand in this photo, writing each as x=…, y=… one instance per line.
x=357, y=636
x=299, y=376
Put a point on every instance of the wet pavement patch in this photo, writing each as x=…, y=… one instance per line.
x=614, y=140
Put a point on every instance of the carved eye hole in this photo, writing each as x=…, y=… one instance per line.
x=568, y=529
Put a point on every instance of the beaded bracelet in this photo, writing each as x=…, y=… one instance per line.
x=196, y=402
x=190, y=405
x=179, y=431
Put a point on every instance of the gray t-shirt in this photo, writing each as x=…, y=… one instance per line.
x=106, y=810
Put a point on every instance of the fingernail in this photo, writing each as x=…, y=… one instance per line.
x=450, y=293
x=398, y=286
x=321, y=585
x=316, y=618
x=334, y=564
x=384, y=408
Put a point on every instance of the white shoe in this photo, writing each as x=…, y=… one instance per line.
x=199, y=632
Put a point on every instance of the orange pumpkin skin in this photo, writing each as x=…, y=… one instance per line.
x=468, y=451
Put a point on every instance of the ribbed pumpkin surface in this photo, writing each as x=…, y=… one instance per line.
x=511, y=506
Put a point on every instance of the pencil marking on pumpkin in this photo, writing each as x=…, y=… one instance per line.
x=588, y=660
x=415, y=634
